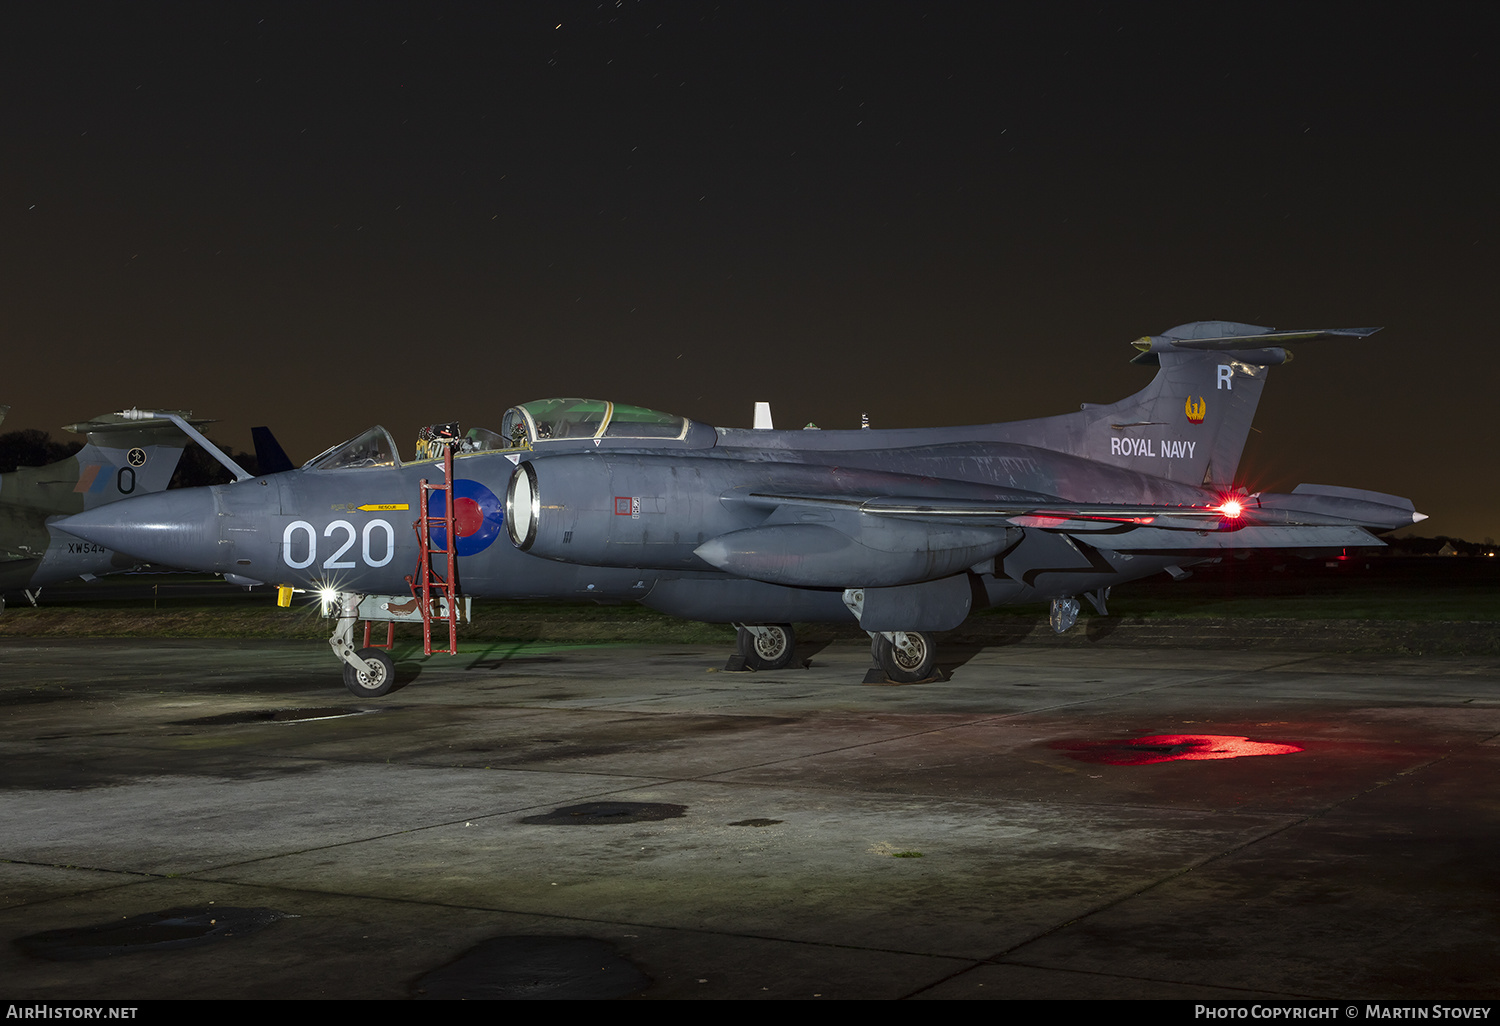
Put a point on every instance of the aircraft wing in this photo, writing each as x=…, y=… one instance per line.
x=881, y=541
x=1306, y=506
x=1028, y=511
x=884, y=541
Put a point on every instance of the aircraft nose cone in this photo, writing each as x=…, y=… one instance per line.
x=178, y=528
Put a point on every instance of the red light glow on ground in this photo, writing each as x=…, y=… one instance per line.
x=1143, y=751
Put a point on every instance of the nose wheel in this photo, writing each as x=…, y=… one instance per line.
x=375, y=678
x=368, y=672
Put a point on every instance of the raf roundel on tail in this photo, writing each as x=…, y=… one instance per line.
x=904, y=531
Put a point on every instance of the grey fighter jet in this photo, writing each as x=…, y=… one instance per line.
x=122, y=457
x=904, y=531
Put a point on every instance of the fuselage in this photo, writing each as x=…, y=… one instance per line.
x=905, y=530
x=627, y=519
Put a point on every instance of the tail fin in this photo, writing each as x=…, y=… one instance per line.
x=270, y=457
x=126, y=457
x=1190, y=424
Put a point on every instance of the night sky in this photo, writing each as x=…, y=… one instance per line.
x=321, y=216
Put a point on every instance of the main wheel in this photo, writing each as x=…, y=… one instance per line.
x=770, y=648
x=909, y=659
x=375, y=679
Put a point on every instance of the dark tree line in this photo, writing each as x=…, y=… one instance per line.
x=199, y=468
x=1433, y=546
x=32, y=448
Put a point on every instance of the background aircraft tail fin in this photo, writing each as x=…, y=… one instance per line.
x=270, y=457
x=126, y=457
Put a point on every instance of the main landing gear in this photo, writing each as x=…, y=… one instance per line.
x=906, y=657
x=763, y=646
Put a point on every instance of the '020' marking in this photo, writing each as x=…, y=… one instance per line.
x=343, y=535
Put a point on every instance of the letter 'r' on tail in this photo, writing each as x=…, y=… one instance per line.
x=1190, y=424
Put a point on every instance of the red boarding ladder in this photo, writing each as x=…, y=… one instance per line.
x=390, y=635
x=428, y=586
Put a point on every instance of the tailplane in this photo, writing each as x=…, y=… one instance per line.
x=1190, y=423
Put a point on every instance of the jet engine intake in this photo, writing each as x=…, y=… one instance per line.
x=521, y=507
x=620, y=510
x=651, y=512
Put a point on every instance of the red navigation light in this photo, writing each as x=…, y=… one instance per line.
x=1232, y=509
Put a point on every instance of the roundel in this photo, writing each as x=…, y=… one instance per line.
x=477, y=514
x=136, y=456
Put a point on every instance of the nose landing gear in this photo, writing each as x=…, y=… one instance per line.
x=369, y=672
x=375, y=679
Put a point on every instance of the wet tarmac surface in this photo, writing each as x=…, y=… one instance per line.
x=627, y=821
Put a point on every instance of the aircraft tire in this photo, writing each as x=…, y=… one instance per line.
x=909, y=662
x=771, y=650
x=375, y=681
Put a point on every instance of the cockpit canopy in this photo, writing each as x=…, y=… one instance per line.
x=542, y=421
x=554, y=419
x=373, y=448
